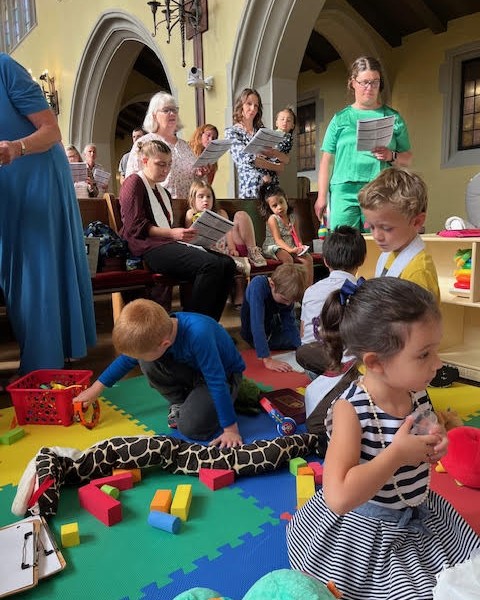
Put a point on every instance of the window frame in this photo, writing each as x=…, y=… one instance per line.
x=17, y=19
x=450, y=81
x=307, y=103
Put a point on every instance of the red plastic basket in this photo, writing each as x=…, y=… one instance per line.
x=35, y=406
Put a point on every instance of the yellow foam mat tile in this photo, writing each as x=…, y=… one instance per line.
x=14, y=457
x=461, y=397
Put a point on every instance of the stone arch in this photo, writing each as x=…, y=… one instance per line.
x=109, y=55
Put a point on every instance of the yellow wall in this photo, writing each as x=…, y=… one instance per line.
x=63, y=29
x=414, y=79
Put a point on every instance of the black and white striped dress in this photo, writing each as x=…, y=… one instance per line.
x=368, y=557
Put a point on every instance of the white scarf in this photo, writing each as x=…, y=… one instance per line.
x=401, y=261
x=158, y=214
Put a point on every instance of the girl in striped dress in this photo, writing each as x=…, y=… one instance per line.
x=376, y=528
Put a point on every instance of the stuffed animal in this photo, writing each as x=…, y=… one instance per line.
x=462, y=460
x=449, y=419
x=283, y=584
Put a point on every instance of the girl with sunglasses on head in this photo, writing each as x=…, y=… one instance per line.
x=352, y=168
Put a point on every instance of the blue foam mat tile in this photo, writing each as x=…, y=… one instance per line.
x=234, y=572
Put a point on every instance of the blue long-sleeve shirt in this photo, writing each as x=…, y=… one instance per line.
x=259, y=314
x=204, y=345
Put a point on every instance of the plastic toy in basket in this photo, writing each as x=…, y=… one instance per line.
x=45, y=396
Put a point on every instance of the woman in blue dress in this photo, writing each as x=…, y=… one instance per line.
x=43, y=265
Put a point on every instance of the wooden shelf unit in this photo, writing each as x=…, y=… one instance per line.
x=461, y=315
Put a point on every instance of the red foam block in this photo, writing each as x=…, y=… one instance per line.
x=216, y=479
x=122, y=481
x=102, y=506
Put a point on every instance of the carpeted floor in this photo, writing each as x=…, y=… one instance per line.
x=232, y=537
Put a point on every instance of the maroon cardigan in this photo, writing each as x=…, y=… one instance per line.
x=137, y=216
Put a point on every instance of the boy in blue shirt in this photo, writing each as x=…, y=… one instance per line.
x=268, y=315
x=189, y=358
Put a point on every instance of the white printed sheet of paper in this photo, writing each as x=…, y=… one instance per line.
x=79, y=171
x=264, y=139
x=211, y=154
x=210, y=227
x=374, y=133
x=101, y=177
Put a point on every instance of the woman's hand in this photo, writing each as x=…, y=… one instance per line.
x=9, y=151
x=320, y=207
x=383, y=153
x=180, y=234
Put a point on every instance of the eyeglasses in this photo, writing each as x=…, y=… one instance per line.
x=173, y=110
x=373, y=83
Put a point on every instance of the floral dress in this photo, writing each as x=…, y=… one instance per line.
x=249, y=176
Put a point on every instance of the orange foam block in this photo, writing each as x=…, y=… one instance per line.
x=136, y=473
x=162, y=501
x=317, y=469
x=305, y=471
x=216, y=479
x=102, y=506
x=122, y=481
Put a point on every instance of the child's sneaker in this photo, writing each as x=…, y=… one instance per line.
x=243, y=265
x=173, y=415
x=255, y=256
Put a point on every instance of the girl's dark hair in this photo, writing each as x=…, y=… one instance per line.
x=238, y=108
x=344, y=248
x=376, y=318
x=266, y=191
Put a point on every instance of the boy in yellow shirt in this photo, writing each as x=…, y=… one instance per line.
x=395, y=207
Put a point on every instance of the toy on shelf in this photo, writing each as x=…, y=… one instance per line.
x=285, y=425
x=462, y=273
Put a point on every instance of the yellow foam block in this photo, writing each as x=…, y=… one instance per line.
x=305, y=489
x=181, y=501
x=161, y=501
x=70, y=535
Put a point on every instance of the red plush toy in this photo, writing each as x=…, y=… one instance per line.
x=462, y=460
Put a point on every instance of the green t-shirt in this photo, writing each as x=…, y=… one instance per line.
x=352, y=165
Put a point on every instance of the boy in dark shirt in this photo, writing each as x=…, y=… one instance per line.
x=268, y=315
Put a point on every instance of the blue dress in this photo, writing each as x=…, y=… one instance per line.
x=43, y=265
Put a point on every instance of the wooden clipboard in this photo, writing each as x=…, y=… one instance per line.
x=19, y=557
x=50, y=559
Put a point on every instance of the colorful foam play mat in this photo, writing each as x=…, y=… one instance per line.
x=232, y=537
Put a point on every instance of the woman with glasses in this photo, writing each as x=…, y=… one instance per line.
x=352, y=168
x=162, y=123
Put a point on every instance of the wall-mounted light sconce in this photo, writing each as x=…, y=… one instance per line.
x=190, y=14
x=49, y=91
